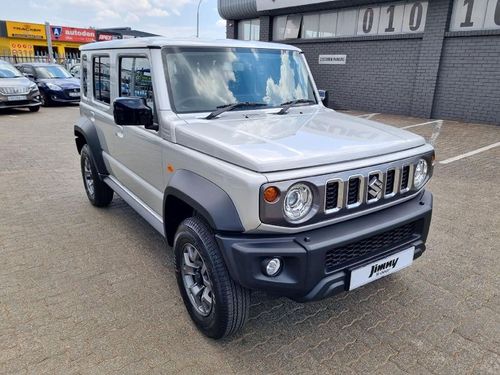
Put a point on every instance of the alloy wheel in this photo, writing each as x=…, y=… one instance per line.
x=196, y=280
x=89, y=179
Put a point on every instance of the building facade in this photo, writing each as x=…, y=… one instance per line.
x=30, y=39
x=432, y=58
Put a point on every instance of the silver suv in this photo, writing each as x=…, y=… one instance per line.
x=17, y=91
x=226, y=149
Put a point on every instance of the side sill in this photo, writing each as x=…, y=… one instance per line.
x=133, y=201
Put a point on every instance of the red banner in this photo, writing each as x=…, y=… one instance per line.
x=72, y=34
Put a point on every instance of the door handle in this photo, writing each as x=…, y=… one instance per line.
x=92, y=116
x=119, y=131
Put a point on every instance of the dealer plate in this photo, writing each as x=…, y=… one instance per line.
x=74, y=94
x=16, y=97
x=380, y=268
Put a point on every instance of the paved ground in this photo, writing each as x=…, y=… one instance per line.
x=86, y=290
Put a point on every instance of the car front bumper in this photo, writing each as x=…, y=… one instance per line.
x=32, y=100
x=62, y=96
x=317, y=264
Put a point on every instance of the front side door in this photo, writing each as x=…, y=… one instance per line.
x=139, y=149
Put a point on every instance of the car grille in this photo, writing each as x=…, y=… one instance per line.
x=15, y=90
x=367, y=189
x=378, y=243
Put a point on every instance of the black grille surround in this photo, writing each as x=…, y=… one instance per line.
x=342, y=256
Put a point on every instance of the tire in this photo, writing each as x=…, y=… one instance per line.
x=44, y=100
x=99, y=194
x=230, y=308
x=34, y=109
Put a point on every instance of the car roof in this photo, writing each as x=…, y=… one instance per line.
x=159, y=42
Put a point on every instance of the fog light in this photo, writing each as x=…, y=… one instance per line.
x=272, y=266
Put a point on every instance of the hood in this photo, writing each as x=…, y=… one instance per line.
x=307, y=136
x=65, y=83
x=15, y=82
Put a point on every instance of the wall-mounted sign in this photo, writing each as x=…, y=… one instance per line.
x=332, y=59
x=21, y=48
x=475, y=15
x=277, y=4
x=105, y=37
x=72, y=34
x=25, y=30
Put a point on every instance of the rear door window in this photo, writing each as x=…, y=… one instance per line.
x=102, y=86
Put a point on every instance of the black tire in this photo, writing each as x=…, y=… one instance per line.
x=230, y=311
x=34, y=109
x=45, y=100
x=99, y=194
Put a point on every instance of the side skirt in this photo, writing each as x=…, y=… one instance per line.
x=133, y=201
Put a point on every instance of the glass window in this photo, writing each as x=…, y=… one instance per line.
x=102, y=87
x=51, y=71
x=84, y=75
x=279, y=24
x=135, y=79
x=249, y=29
x=346, y=25
x=310, y=26
x=327, y=24
x=293, y=26
x=8, y=71
x=202, y=79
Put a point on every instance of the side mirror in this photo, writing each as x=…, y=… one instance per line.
x=29, y=76
x=323, y=95
x=133, y=112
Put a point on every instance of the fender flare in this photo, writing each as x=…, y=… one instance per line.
x=86, y=129
x=208, y=199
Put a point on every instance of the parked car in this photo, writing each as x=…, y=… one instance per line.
x=55, y=83
x=16, y=91
x=226, y=149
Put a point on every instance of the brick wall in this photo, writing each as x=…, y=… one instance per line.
x=378, y=77
x=468, y=86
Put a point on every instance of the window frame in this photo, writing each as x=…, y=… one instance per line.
x=84, y=75
x=119, y=75
x=94, y=98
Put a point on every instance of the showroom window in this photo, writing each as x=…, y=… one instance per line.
x=397, y=18
x=249, y=29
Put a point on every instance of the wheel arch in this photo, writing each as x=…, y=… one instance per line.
x=86, y=133
x=190, y=194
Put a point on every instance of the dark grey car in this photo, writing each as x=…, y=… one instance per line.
x=17, y=91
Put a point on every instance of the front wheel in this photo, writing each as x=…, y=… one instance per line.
x=34, y=109
x=217, y=305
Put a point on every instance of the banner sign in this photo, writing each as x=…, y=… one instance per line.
x=72, y=34
x=105, y=37
x=25, y=30
x=277, y=4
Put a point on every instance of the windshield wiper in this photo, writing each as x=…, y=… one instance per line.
x=287, y=105
x=229, y=107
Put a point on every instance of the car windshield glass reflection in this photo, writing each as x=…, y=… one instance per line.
x=203, y=79
x=54, y=71
x=8, y=71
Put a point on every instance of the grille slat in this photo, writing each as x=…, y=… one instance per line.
x=389, y=185
x=342, y=256
x=405, y=177
x=353, y=192
x=332, y=195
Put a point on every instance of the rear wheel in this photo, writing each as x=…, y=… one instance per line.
x=217, y=305
x=99, y=194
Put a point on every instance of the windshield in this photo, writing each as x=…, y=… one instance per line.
x=202, y=79
x=8, y=71
x=52, y=71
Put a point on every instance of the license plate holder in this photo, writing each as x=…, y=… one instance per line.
x=74, y=94
x=14, y=98
x=380, y=268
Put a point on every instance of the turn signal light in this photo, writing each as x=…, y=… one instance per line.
x=271, y=194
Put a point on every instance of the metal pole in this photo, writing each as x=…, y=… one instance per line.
x=49, y=42
x=198, y=20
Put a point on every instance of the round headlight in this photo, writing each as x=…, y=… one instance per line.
x=420, y=174
x=298, y=202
